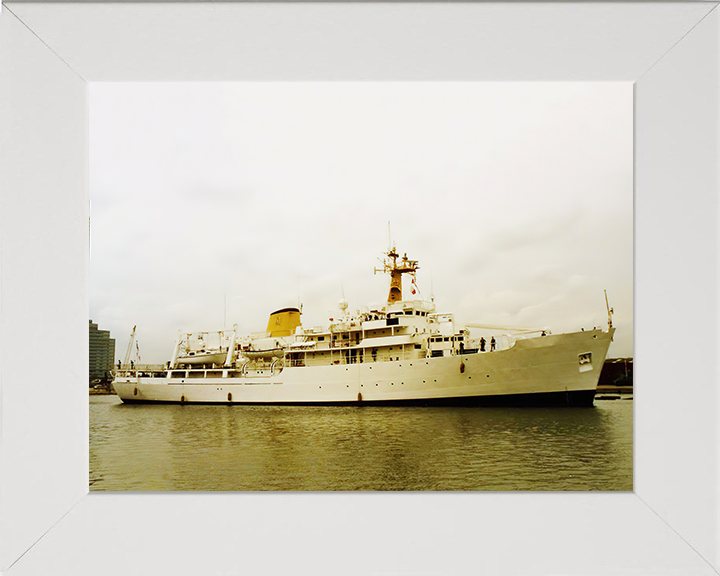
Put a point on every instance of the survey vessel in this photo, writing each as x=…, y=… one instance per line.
x=404, y=352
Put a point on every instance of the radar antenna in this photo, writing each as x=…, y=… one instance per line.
x=343, y=304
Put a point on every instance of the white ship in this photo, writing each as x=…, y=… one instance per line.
x=401, y=353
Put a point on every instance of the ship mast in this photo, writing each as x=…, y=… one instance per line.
x=396, y=270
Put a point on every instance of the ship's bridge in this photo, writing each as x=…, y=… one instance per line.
x=410, y=308
x=414, y=315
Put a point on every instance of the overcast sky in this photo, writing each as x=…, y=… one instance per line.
x=215, y=204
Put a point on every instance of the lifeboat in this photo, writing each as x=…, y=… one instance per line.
x=203, y=357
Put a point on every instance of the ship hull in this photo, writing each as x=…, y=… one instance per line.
x=576, y=398
x=553, y=370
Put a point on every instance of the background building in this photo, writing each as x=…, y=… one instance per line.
x=102, y=353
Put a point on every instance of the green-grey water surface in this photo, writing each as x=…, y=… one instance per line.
x=238, y=448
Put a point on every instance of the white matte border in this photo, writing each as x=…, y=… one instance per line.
x=436, y=534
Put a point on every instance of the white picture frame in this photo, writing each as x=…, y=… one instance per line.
x=49, y=522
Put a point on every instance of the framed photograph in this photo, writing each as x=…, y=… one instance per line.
x=55, y=56
x=335, y=246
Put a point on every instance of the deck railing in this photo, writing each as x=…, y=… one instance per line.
x=134, y=369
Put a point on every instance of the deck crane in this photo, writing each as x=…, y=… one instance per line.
x=126, y=364
x=610, y=311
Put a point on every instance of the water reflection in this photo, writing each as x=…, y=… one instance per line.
x=192, y=447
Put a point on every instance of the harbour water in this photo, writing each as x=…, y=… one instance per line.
x=311, y=448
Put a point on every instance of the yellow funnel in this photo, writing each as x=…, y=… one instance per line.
x=283, y=322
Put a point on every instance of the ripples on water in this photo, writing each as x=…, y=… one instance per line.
x=196, y=447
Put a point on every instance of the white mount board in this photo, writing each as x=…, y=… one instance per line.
x=48, y=54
